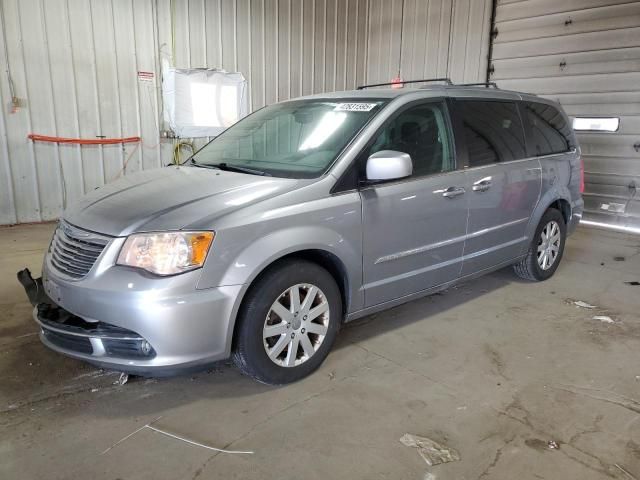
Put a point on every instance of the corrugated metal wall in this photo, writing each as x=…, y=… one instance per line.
x=74, y=64
x=586, y=55
x=428, y=39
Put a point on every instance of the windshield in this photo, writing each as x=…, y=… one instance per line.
x=297, y=139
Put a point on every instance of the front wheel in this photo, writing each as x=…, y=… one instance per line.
x=288, y=322
x=545, y=251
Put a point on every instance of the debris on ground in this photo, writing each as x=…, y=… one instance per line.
x=171, y=435
x=604, y=319
x=553, y=445
x=431, y=451
x=28, y=335
x=124, y=378
x=581, y=304
x=626, y=472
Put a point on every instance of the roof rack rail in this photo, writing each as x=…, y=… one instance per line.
x=446, y=80
x=484, y=84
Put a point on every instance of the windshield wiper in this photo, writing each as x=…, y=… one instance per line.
x=236, y=168
x=203, y=165
x=230, y=168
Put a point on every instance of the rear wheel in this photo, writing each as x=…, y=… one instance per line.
x=546, y=249
x=288, y=323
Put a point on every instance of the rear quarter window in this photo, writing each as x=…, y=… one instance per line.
x=492, y=131
x=548, y=131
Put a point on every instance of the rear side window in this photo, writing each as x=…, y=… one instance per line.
x=492, y=131
x=549, y=133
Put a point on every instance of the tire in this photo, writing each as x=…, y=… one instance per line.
x=534, y=268
x=272, y=359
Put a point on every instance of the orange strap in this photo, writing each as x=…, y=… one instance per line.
x=80, y=141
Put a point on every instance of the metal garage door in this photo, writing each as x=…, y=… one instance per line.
x=586, y=55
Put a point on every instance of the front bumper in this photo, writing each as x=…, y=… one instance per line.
x=119, y=308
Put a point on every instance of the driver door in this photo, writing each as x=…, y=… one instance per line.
x=414, y=228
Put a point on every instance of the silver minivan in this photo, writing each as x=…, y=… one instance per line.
x=304, y=215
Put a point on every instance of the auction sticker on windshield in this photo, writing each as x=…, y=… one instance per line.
x=354, y=107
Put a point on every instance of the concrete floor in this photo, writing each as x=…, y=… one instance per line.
x=495, y=368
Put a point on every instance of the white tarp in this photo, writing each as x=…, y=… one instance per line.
x=202, y=102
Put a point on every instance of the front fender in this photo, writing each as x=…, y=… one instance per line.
x=261, y=253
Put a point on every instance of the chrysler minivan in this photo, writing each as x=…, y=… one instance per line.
x=304, y=215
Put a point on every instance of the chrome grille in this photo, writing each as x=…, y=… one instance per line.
x=74, y=251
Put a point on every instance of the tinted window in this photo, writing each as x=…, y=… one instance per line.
x=548, y=130
x=492, y=130
x=422, y=132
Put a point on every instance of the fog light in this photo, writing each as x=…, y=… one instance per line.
x=145, y=347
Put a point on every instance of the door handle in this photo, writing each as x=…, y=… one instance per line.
x=450, y=192
x=482, y=185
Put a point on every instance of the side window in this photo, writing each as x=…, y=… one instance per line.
x=492, y=131
x=422, y=132
x=549, y=132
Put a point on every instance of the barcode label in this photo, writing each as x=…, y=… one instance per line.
x=354, y=107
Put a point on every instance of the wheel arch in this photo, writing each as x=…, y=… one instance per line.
x=323, y=258
x=556, y=198
x=563, y=206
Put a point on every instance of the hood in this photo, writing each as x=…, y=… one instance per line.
x=171, y=198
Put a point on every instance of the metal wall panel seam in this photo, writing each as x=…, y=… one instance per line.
x=335, y=47
x=158, y=106
x=61, y=180
x=204, y=33
x=466, y=46
x=289, y=48
x=277, y=64
x=28, y=111
x=221, y=50
x=235, y=35
x=250, y=31
x=74, y=89
x=450, y=39
x=484, y=61
x=11, y=207
x=502, y=59
x=264, y=57
x=583, y=5
x=439, y=71
x=346, y=41
x=96, y=85
x=301, y=79
x=426, y=50
x=313, y=50
x=366, y=44
x=324, y=44
x=136, y=93
x=118, y=88
x=11, y=210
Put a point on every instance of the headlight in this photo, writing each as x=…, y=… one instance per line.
x=166, y=253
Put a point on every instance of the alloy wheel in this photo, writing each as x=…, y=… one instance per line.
x=296, y=325
x=549, y=245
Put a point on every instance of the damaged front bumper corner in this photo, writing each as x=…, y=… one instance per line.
x=149, y=332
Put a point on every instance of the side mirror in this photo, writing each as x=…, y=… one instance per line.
x=389, y=165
